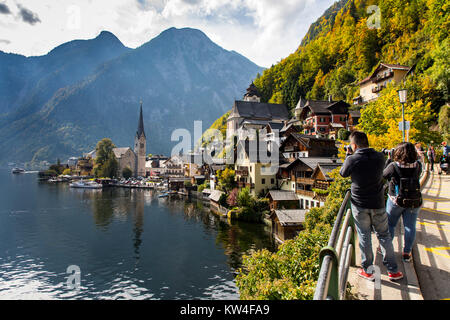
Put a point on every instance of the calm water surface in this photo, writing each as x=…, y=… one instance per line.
x=128, y=244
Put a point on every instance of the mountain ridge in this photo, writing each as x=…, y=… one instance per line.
x=181, y=75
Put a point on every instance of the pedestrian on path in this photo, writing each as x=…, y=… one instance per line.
x=365, y=167
x=404, y=196
x=431, y=154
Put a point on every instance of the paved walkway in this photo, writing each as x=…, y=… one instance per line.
x=428, y=276
x=432, y=253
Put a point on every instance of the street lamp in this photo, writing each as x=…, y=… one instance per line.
x=402, y=95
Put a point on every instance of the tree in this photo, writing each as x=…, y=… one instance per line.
x=444, y=122
x=245, y=199
x=226, y=179
x=67, y=172
x=232, y=198
x=106, y=164
x=343, y=134
x=127, y=172
x=380, y=119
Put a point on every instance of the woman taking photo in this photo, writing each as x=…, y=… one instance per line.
x=404, y=197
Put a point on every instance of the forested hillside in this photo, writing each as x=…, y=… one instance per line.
x=345, y=45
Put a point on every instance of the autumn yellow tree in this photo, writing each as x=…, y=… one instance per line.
x=380, y=119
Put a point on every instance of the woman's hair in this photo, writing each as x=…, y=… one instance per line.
x=405, y=153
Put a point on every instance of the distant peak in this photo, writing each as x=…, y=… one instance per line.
x=106, y=34
x=183, y=31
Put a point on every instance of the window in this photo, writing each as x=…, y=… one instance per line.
x=272, y=181
x=263, y=181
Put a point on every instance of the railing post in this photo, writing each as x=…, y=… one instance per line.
x=333, y=282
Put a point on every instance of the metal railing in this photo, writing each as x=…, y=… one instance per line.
x=337, y=256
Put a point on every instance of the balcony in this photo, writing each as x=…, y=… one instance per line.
x=243, y=172
x=308, y=181
x=384, y=75
x=244, y=185
x=306, y=193
x=378, y=88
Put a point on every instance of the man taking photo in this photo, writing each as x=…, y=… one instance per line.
x=365, y=167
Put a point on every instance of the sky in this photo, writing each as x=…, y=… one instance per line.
x=265, y=31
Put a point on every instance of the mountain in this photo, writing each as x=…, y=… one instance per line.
x=30, y=82
x=341, y=48
x=92, y=90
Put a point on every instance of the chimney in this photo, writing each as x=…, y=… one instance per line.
x=330, y=98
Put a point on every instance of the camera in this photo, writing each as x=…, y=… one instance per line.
x=388, y=152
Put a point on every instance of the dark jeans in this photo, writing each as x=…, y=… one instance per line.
x=394, y=213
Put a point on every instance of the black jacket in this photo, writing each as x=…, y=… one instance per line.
x=365, y=167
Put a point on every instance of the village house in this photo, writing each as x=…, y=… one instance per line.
x=251, y=171
x=281, y=199
x=193, y=164
x=370, y=87
x=286, y=224
x=300, y=177
x=177, y=184
x=173, y=167
x=251, y=113
x=353, y=119
x=84, y=166
x=298, y=145
x=317, y=116
x=214, y=200
x=153, y=165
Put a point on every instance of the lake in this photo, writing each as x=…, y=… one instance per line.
x=126, y=243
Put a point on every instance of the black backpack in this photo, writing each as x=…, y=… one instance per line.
x=408, y=189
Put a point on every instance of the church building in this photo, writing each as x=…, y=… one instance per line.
x=129, y=158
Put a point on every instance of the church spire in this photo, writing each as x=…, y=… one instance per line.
x=140, y=130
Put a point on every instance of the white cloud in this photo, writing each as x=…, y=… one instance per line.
x=262, y=30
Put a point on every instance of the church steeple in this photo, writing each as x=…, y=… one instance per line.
x=140, y=146
x=140, y=130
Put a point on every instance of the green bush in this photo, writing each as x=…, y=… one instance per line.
x=343, y=134
x=292, y=271
x=245, y=199
x=246, y=214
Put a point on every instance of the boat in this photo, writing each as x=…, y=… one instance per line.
x=17, y=170
x=164, y=195
x=86, y=185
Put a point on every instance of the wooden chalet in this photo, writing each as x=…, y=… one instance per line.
x=281, y=199
x=286, y=224
x=298, y=145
